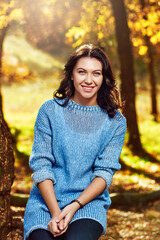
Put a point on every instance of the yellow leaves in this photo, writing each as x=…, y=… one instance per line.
x=96, y=23
x=100, y=35
x=130, y=24
x=155, y=38
x=153, y=17
x=95, y=4
x=147, y=26
x=137, y=42
x=67, y=4
x=142, y=50
x=75, y=36
x=144, y=22
x=9, y=12
x=3, y=22
x=77, y=43
x=52, y=1
x=101, y=20
x=137, y=26
x=133, y=6
x=4, y=6
x=16, y=14
x=75, y=32
x=149, y=31
x=152, y=1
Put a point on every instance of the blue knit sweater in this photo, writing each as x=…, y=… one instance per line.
x=72, y=145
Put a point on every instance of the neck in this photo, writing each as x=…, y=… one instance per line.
x=85, y=102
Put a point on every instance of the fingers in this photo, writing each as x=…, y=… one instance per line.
x=64, y=230
x=57, y=228
x=64, y=219
x=61, y=224
x=60, y=217
x=53, y=227
x=67, y=220
x=65, y=215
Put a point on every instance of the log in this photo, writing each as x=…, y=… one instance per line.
x=19, y=200
x=134, y=199
x=118, y=199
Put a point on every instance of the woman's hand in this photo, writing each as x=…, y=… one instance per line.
x=55, y=228
x=66, y=216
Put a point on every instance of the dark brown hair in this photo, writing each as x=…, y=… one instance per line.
x=107, y=96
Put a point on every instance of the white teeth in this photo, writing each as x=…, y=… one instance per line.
x=88, y=87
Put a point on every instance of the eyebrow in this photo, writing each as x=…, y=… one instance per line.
x=93, y=70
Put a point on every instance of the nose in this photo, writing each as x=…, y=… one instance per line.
x=88, y=79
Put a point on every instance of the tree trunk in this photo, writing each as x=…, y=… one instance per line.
x=6, y=177
x=152, y=76
x=152, y=79
x=2, y=36
x=127, y=73
x=6, y=163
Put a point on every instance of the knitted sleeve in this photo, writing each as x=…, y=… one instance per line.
x=42, y=159
x=107, y=162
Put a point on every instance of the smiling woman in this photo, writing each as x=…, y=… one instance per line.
x=87, y=79
x=93, y=64
x=78, y=137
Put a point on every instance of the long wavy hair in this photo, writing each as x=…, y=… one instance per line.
x=107, y=96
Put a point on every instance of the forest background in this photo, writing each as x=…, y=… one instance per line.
x=36, y=38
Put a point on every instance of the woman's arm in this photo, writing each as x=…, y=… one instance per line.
x=42, y=162
x=47, y=191
x=96, y=187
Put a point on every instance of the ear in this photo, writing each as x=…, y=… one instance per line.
x=72, y=77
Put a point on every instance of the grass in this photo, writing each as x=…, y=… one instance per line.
x=151, y=136
x=21, y=104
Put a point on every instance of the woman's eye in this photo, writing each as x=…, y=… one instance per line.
x=81, y=72
x=97, y=73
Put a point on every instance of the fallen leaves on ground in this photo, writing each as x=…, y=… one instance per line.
x=122, y=224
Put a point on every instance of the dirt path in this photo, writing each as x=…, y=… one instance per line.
x=122, y=224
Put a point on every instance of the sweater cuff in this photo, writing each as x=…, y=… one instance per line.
x=108, y=177
x=42, y=175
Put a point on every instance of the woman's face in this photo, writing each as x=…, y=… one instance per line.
x=87, y=79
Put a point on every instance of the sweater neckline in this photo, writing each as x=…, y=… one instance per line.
x=76, y=105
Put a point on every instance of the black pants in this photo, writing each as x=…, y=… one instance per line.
x=82, y=229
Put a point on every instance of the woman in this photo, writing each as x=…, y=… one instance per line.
x=78, y=138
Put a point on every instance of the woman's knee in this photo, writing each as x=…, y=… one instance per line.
x=42, y=234
x=86, y=229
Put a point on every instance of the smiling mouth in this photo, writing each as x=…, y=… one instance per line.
x=87, y=88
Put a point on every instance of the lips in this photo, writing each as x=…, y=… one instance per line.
x=87, y=88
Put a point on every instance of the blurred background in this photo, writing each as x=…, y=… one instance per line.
x=36, y=38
